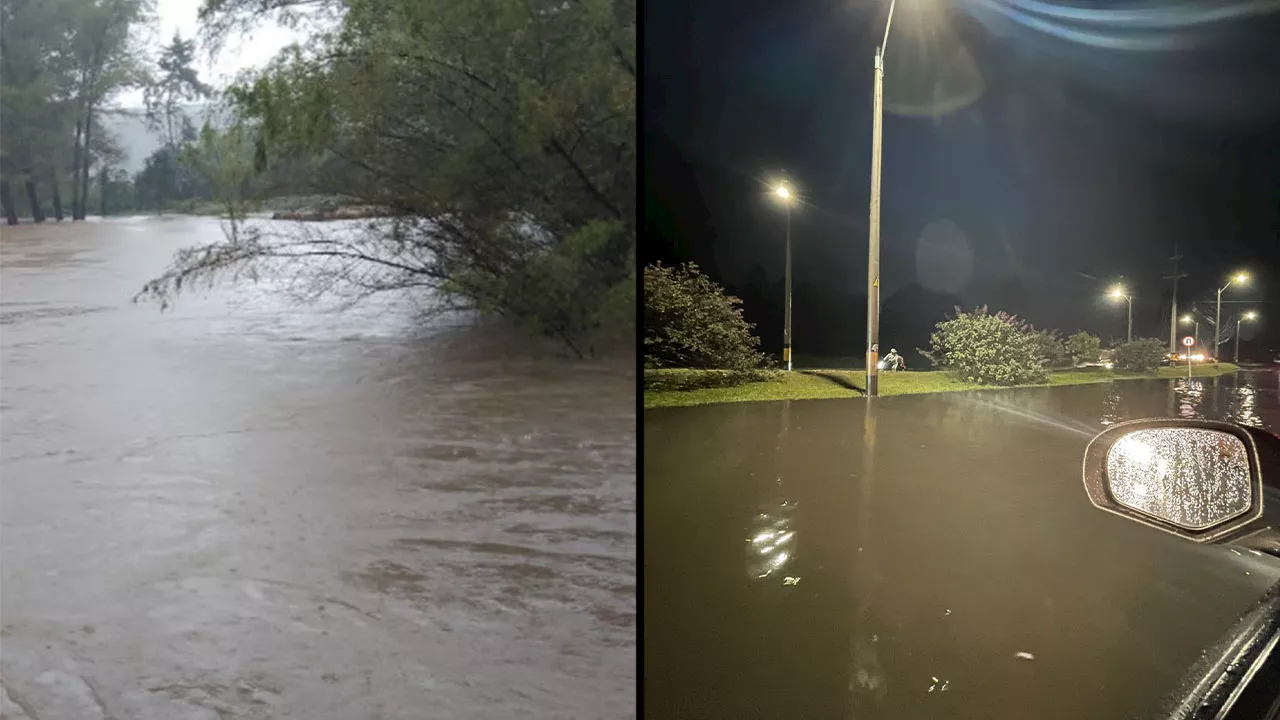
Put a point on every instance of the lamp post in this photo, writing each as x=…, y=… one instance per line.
x=873, y=239
x=1251, y=315
x=1118, y=292
x=1189, y=318
x=1238, y=279
x=787, y=198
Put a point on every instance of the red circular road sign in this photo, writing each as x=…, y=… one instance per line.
x=1188, y=341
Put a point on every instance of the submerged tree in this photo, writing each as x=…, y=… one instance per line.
x=499, y=135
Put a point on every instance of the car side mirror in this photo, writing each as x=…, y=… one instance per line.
x=1198, y=479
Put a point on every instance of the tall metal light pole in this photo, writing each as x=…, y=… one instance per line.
x=1251, y=315
x=873, y=244
x=787, y=197
x=1238, y=279
x=1173, y=308
x=1189, y=318
x=1118, y=292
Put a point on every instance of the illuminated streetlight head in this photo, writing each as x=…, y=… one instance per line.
x=1187, y=318
x=1240, y=278
x=1117, y=292
x=1251, y=315
x=783, y=192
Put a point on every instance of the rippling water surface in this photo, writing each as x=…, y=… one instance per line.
x=924, y=557
x=246, y=508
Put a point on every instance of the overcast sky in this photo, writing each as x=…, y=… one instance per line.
x=240, y=53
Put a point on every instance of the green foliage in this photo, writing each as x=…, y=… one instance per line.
x=222, y=163
x=163, y=179
x=986, y=349
x=177, y=82
x=1052, y=349
x=1142, y=355
x=1084, y=347
x=689, y=322
x=62, y=62
x=559, y=291
x=499, y=133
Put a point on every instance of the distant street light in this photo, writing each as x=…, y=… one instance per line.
x=1238, y=279
x=873, y=239
x=1117, y=293
x=1250, y=316
x=1189, y=318
x=787, y=198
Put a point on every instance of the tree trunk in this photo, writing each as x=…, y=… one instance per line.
x=6, y=197
x=102, y=191
x=75, y=174
x=36, y=213
x=87, y=160
x=55, y=181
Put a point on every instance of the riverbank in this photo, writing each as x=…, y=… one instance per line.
x=825, y=384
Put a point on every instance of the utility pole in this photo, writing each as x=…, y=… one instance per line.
x=1173, y=310
x=873, y=241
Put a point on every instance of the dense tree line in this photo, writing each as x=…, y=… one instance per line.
x=61, y=64
x=498, y=134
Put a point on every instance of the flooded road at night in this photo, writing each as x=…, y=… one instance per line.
x=924, y=557
x=244, y=508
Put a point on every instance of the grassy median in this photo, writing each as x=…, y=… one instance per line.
x=819, y=384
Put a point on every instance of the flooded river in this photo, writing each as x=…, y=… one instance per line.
x=923, y=557
x=248, y=509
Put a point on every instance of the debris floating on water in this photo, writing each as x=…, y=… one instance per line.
x=948, y=611
x=1024, y=656
x=790, y=581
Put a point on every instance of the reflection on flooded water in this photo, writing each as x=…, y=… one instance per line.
x=246, y=508
x=943, y=559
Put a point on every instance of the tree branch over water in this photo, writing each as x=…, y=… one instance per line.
x=500, y=134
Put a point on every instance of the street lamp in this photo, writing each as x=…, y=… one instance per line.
x=787, y=198
x=1250, y=316
x=1189, y=318
x=1238, y=279
x=873, y=239
x=1117, y=293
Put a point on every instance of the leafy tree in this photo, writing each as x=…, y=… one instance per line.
x=176, y=83
x=106, y=60
x=35, y=100
x=222, y=162
x=500, y=134
x=1140, y=355
x=986, y=349
x=1051, y=348
x=1083, y=347
x=689, y=322
x=163, y=179
x=118, y=193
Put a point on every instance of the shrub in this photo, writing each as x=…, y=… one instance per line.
x=987, y=349
x=1140, y=355
x=1083, y=347
x=1051, y=348
x=689, y=322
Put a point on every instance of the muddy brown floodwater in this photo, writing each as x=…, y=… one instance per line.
x=244, y=508
x=924, y=557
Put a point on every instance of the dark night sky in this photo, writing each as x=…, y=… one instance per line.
x=1030, y=160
